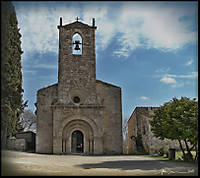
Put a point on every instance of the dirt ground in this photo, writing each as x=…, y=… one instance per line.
x=32, y=164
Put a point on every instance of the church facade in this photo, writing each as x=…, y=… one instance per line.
x=79, y=114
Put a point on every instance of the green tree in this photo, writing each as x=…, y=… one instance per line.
x=178, y=120
x=11, y=76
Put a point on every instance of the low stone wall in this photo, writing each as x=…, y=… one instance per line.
x=16, y=144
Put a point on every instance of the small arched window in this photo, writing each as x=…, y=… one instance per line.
x=77, y=44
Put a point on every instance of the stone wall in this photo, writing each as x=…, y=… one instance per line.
x=132, y=131
x=29, y=136
x=110, y=97
x=16, y=144
x=45, y=98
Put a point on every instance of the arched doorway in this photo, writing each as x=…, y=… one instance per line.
x=77, y=145
x=69, y=139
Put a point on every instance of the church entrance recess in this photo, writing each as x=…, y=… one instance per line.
x=77, y=142
x=78, y=137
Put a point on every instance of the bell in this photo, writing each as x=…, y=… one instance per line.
x=77, y=45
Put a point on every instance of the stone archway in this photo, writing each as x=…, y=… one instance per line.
x=75, y=133
x=92, y=131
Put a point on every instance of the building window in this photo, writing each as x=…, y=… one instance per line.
x=76, y=44
x=76, y=99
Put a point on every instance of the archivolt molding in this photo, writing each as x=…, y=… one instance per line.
x=82, y=126
x=78, y=119
x=77, y=125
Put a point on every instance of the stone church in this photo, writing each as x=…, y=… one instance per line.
x=79, y=114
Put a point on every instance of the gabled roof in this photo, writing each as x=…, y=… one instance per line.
x=108, y=84
x=77, y=24
x=50, y=86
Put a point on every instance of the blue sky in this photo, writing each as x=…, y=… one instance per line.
x=147, y=48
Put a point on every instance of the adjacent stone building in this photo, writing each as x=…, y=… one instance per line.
x=79, y=114
x=23, y=141
x=140, y=138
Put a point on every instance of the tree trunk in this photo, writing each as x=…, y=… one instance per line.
x=196, y=157
x=188, y=156
x=181, y=148
x=4, y=138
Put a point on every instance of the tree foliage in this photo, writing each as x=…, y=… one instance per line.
x=11, y=75
x=177, y=120
x=125, y=135
x=28, y=120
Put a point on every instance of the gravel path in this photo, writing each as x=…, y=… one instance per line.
x=21, y=163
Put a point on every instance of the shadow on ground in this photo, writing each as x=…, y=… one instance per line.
x=142, y=165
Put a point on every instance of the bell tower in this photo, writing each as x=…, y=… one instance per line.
x=77, y=64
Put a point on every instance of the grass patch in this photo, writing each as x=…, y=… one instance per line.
x=178, y=157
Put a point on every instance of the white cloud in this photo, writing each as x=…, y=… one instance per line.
x=152, y=26
x=140, y=24
x=190, y=75
x=105, y=28
x=168, y=80
x=174, y=80
x=186, y=76
x=135, y=24
x=144, y=98
x=32, y=72
x=38, y=26
x=45, y=66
